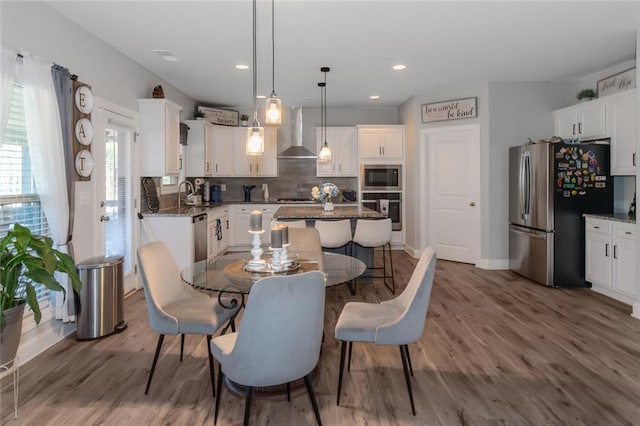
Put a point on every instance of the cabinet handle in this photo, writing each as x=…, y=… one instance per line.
x=634, y=159
x=216, y=167
x=627, y=232
x=606, y=250
x=181, y=164
x=615, y=252
x=596, y=227
x=580, y=128
x=340, y=167
x=379, y=150
x=257, y=168
x=383, y=150
x=227, y=223
x=573, y=132
x=207, y=166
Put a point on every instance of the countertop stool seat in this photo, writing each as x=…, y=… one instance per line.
x=335, y=234
x=373, y=234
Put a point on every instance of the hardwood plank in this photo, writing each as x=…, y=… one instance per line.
x=497, y=349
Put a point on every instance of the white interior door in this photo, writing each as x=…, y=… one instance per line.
x=454, y=192
x=115, y=190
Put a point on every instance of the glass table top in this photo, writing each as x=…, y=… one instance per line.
x=227, y=273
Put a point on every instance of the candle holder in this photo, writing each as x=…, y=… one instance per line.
x=276, y=263
x=284, y=255
x=257, y=263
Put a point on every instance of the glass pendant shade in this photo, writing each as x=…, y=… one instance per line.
x=274, y=110
x=255, y=141
x=325, y=152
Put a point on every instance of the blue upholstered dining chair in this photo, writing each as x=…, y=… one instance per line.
x=398, y=321
x=279, y=338
x=175, y=308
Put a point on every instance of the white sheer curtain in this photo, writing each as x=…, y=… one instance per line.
x=46, y=146
x=8, y=74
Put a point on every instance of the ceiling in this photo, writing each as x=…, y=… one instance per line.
x=442, y=43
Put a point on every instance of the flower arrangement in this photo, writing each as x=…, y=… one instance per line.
x=324, y=192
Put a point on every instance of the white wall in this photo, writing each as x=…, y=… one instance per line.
x=410, y=113
x=36, y=28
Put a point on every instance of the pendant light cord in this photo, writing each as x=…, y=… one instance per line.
x=325, y=107
x=255, y=71
x=273, y=51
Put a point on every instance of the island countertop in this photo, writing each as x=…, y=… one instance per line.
x=317, y=212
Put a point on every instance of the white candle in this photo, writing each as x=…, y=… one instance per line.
x=276, y=238
x=285, y=234
x=255, y=222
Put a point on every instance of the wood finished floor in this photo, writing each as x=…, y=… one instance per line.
x=497, y=349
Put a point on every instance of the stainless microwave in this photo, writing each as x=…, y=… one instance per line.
x=378, y=177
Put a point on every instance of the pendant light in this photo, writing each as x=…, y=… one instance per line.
x=325, y=151
x=255, y=133
x=273, y=104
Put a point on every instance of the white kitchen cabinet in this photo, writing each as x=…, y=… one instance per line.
x=159, y=137
x=265, y=165
x=583, y=121
x=224, y=138
x=381, y=142
x=610, y=258
x=218, y=235
x=241, y=217
x=621, y=123
x=200, y=150
x=343, y=142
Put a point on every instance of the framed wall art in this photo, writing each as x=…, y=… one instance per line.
x=454, y=109
x=617, y=83
x=225, y=117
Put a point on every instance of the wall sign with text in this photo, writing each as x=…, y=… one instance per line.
x=617, y=83
x=455, y=109
x=225, y=117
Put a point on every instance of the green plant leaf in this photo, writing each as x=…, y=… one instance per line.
x=32, y=301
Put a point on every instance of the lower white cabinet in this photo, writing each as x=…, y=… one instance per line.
x=218, y=232
x=610, y=258
x=241, y=216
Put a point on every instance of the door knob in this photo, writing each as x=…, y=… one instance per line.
x=104, y=218
x=472, y=204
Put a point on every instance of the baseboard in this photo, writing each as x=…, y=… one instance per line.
x=493, y=264
x=413, y=252
x=42, y=337
x=613, y=294
x=636, y=310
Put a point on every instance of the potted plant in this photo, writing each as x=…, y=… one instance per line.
x=244, y=120
x=586, y=94
x=198, y=115
x=25, y=260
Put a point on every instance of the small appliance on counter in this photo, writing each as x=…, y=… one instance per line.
x=349, y=195
x=216, y=194
x=247, y=192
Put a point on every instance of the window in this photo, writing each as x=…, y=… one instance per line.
x=19, y=201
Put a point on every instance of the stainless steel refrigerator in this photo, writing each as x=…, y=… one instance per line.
x=550, y=187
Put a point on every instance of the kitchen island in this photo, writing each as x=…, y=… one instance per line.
x=316, y=212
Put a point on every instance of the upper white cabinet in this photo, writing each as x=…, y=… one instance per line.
x=384, y=142
x=159, y=137
x=223, y=147
x=343, y=142
x=621, y=123
x=584, y=121
x=200, y=150
x=265, y=165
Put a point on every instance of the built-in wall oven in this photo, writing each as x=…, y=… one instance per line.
x=381, y=177
x=388, y=203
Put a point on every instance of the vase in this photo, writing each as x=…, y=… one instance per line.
x=10, y=334
x=328, y=206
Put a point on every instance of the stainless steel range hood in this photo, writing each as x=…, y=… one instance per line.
x=297, y=150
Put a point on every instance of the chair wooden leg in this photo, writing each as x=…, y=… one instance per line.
x=181, y=346
x=312, y=397
x=349, y=362
x=406, y=351
x=342, y=353
x=247, y=406
x=211, y=370
x=155, y=360
x=288, y=392
x=220, y=376
x=407, y=379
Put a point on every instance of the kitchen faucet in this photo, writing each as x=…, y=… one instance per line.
x=189, y=185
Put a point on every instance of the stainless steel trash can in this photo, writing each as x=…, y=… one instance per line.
x=99, y=306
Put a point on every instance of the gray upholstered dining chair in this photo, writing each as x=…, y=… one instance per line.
x=398, y=321
x=175, y=308
x=304, y=240
x=279, y=338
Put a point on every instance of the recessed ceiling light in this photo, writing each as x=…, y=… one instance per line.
x=400, y=67
x=374, y=97
x=304, y=98
x=242, y=67
x=167, y=55
x=261, y=97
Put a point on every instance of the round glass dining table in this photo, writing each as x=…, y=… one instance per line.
x=227, y=273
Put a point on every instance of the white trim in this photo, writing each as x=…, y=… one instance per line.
x=411, y=251
x=39, y=339
x=493, y=264
x=636, y=310
x=612, y=294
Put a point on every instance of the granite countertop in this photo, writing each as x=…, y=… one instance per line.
x=204, y=208
x=317, y=212
x=620, y=217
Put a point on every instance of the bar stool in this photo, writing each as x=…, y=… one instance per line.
x=372, y=234
x=335, y=234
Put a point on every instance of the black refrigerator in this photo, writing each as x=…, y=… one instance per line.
x=550, y=187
